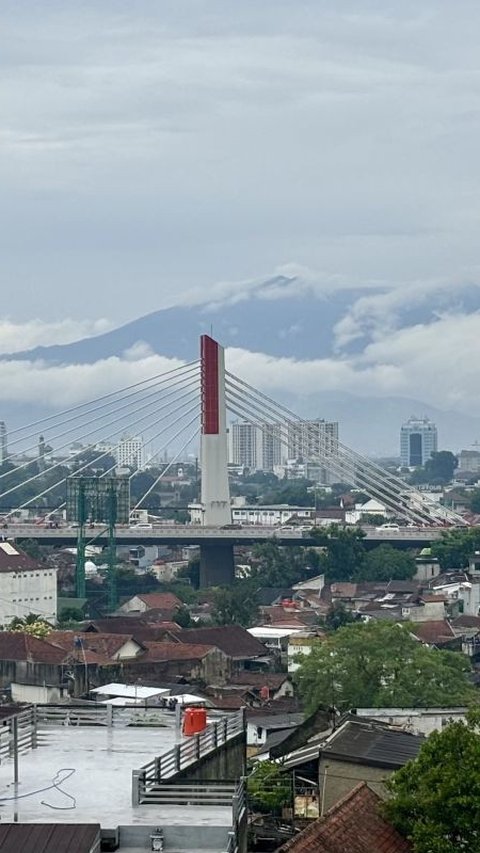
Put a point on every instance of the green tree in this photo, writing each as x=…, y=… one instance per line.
x=32, y=624
x=436, y=798
x=475, y=500
x=381, y=665
x=269, y=790
x=191, y=573
x=292, y=492
x=344, y=551
x=31, y=547
x=456, y=547
x=182, y=617
x=386, y=563
x=338, y=616
x=68, y=615
x=438, y=470
x=273, y=565
x=236, y=604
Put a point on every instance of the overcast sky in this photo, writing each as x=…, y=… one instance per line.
x=151, y=148
x=155, y=146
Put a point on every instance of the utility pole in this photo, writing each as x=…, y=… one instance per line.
x=112, y=549
x=80, y=563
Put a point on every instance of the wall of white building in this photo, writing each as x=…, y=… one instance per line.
x=28, y=591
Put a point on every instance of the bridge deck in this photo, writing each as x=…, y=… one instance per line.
x=191, y=535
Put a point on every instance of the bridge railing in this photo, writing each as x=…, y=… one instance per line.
x=148, y=781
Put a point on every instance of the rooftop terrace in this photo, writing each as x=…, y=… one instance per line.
x=84, y=774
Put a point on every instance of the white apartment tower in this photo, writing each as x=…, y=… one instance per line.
x=311, y=440
x=257, y=447
x=130, y=453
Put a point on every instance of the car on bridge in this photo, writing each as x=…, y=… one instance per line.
x=388, y=528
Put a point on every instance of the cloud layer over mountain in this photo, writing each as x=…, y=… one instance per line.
x=421, y=344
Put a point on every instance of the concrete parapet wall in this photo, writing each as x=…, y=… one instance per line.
x=226, y=763
x=176, y=837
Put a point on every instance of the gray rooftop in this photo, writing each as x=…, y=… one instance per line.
x=372, y=744
x=100, y=760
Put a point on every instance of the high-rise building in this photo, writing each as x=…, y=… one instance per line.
x=3, y=442
x=254, y=446
x=130, y=453
x=418, y=440
x=310, y=440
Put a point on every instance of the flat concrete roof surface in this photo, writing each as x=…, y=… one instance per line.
x=99, y=789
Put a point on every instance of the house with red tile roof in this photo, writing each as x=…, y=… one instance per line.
x=112, y=647
x=166, y=602
x=437, y=633
x=354, y=825
x=202, y=662
x=233, y=640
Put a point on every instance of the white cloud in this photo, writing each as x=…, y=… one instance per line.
x=285, y=281
x=435, y=361
x=17, y=337
x=376, y=315
x=62, y=386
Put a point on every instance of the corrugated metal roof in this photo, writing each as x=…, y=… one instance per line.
x=49, y=837
x=372, y=744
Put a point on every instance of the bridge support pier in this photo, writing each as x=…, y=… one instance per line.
x=217, y=567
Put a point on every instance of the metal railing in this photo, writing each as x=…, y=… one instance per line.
x=72, y=715
x=149, y=782
x=239, y=809
x=85, y=714
x=25, y=738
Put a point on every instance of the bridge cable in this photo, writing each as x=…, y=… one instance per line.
x=100, y=456
x=341, y=465
x=188, y=386
x=106, y=396
x=118, y=408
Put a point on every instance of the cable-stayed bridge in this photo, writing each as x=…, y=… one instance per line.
x=173, y=410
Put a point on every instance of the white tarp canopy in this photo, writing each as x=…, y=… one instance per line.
x=122, y=702
x=189, y=699
x=130, y=691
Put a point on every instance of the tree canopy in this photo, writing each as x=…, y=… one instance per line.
x=338, y=616
x=456, y=547
x=475, y=500
x=344, y=551
x=269, y=790
x=236, y=604
x=438, y=470
x=380, y=664
x=436, y=798
x=31, y=624
x=273, y=565
x=386, y=563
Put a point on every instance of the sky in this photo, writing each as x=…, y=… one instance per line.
x=154, y=153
